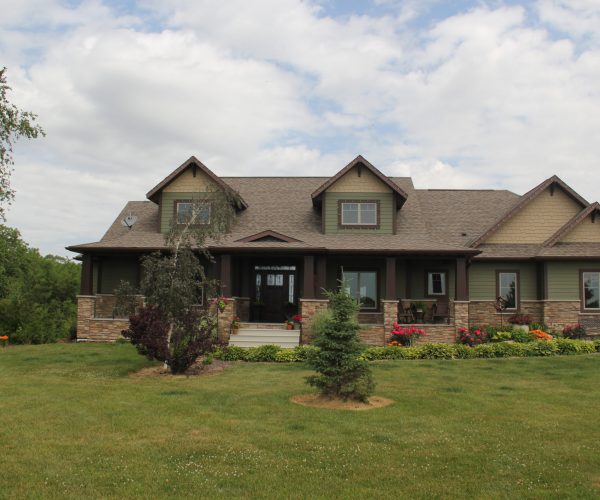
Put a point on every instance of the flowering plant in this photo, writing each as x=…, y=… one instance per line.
x=235, y=323
x=540, y=335
x=575, y=331
x=471, y=337
x=519, y=319
x=4, y=340
x=220, y=302
x=297, y=318
x=405, y=335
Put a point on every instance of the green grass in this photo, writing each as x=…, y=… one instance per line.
x=73, y=424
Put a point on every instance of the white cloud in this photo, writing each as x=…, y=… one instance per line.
x=489, y=97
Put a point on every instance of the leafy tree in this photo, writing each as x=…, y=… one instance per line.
x=341, y=371
x=171, y=328
x=37, y=294
x=14, y=124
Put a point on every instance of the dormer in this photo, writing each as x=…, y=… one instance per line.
x=359, y=199
x=189, y=185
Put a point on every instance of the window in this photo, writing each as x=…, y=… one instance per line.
x=362, y=285
x=591, y=289
x=508, y=286
x=198, y=213
x=355, y=213
x=436, y=283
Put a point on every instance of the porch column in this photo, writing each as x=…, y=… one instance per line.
x=462, y=289
x=309, y=277
x=390, y=278
x=321, y=281
x=87, y=276
x=226, y=274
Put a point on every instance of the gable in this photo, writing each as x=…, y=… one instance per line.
x=187, y=182
x=358, y=180
x=587, y=231
x=268, y=235
x=537, y=221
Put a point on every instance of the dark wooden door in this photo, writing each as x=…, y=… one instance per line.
x=275, y=289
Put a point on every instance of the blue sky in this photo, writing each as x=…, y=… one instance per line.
x=497, y=94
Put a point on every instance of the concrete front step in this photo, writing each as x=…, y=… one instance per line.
x=262, y=326
x=257, y=337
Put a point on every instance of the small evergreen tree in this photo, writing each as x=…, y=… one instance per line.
x=341, y=372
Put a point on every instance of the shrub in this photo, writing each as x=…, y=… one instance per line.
x=436, y=351
x=392, y=352
x=596, y=345
x=540, y=348
x=264, y=353
x=539, y=325
x=520, y=319
x=230, y=353
x=501, y=336
x=192, y=334
x=570, y=346
x=341, y=371
x=519, y=335
x=472, y=337
x=575, y=331
x=406, y=336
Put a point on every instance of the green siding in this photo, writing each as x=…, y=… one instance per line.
x=167, y=203
x=417, y=272
x=563, y=279
x=386, y=212
x=115, y=269
x=482, y=279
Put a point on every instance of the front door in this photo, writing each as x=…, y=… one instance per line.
x=275, y=293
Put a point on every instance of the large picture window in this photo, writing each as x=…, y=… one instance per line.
x=198, y=213
x=362, y=285
x=436, y=283
x=359, y=213
x=590, y=281
x=508, y=288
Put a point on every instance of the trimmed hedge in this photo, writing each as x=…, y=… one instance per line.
x=273, y=353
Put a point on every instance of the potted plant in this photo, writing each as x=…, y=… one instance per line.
x=419, y=307
x=220, y=302
x=235, y=325
x=521, y=321
x=297, y=319
x=289, y=325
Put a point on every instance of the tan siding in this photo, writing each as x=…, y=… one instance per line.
x=352, y=183
x=482, y=279
x=584, y=232
x=386, y=214
x=186, y=182
x=539, y=220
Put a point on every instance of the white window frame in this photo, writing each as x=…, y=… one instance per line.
x=359, y=212
x=444, y=275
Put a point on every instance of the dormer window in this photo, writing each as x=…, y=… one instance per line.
x=198, y=213
x=359, y=213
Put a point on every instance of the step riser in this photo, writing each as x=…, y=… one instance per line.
x=268, y=333
x=286, y=345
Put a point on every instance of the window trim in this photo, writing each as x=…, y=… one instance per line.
x=582, y=293
x=517, y=288
x=446, y=274
x=377, y=225
x=176, y=214
x=377, y=283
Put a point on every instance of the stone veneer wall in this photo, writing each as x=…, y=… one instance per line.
x=308, y=309
x=557, y=314
x=92, y=328
x=373, y=334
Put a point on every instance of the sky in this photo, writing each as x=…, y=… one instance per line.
x=455, y=94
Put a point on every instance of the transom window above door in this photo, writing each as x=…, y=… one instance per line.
x=359, y=213
x=362, y=285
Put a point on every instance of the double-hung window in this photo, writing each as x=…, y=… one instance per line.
x=358, y=213
x=436, y=283
x=198, y=213
x=590, y=283
x=508, y=288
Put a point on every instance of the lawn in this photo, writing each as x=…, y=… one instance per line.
x=74, y=424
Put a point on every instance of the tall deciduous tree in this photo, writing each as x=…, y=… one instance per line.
x=14, y=124
x=169, y=329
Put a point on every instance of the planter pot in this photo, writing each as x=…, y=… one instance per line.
x=524, y=328
x=289, y=327
x=234, y=331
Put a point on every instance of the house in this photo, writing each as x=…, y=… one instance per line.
x=392, y=243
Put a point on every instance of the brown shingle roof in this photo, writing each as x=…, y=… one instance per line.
x=431, y=221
